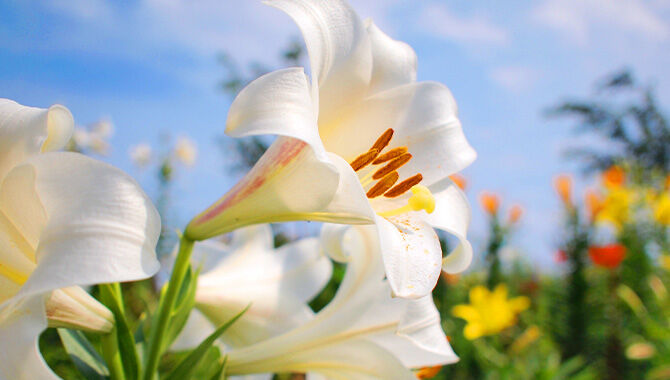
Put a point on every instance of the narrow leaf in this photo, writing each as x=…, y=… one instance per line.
x=186, y=368
x=83, y=355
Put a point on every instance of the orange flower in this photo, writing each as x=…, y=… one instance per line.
x=563, y=186
x=515, y=213
x=615, y=176
x=594, y=203
x=490, y=202
x=428, y=372
x=607, y=256
x=459, y=180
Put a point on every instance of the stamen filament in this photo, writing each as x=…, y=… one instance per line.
x=391, y=154
x=393, y=165
x=383, y=140
x=403, y=186
x=364, y=159
x=380, y=187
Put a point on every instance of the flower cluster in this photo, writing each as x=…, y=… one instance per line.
x=362, y=146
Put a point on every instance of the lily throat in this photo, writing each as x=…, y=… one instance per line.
x=377, y=172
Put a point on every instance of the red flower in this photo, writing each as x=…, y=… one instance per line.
x=560, y=256
x=607, y=256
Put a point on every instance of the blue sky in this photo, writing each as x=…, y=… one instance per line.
x=150, y=66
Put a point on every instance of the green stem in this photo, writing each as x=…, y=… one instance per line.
x=155, y=343
x=110, y=346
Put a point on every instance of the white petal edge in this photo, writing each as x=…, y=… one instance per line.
x=452, y=214
x=277, y=103
x=25, y=131
x=99, y=226
x=21, y=322
x=393, y=62
x=339, y=50
x=412, y=255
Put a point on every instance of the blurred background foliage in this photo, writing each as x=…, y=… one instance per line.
x=602, y=313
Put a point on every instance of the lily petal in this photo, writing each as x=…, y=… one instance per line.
x=421, y=325
x=278, y=103
x=21, y=322
x=393, y=62
x=360, y=333
x=338, y=47
x=452, y=214
x=93, y=222
x=416, y=338
x=350, y=360
x=25, y=131
x=277, y=282
x=412, y=255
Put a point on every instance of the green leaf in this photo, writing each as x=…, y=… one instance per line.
x=222, y=367
x=112, y=298
x=182, y=307
x=187, y=366
x=87, y=360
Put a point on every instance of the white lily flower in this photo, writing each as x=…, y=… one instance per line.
x=277, y=282
x=140, y=154
x=65, y=219
x=185, y=151
x=362, y=143
x=363, y=333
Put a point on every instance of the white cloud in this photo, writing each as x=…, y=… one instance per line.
x=515, y=79
x=438, y=20
x=577, y=19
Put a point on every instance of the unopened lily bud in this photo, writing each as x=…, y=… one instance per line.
x=563, y=186
x=640, y=351
x=515, y=214
x=75, y=309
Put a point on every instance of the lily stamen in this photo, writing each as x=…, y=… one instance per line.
x=364, y=159
x=403, y=186
x=391, y=154
x=383, y=140
x=380, y=187
x=393, y=165
x=421, y=199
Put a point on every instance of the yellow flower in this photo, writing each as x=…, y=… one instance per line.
x=489, y=312
x=662, y=209
x=616, y=207
x=665, y=262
